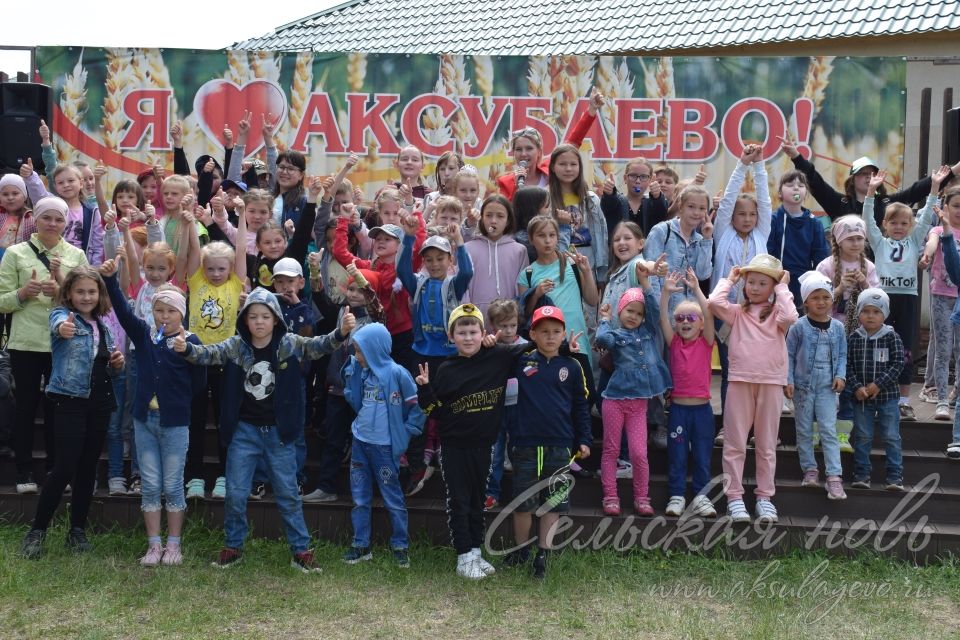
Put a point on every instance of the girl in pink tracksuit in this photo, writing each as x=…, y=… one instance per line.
x=758, y=373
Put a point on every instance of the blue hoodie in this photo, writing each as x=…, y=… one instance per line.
x=801, y=249
x=236, y=355
x=405, y=417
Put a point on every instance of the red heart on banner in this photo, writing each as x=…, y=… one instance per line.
x=221, y=102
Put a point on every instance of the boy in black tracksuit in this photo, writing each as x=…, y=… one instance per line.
x=465, y=394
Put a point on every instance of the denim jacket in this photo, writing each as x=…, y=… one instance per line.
x=802, y=342
x=640, y=371
x=73, y=357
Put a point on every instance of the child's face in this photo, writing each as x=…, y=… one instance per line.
x=389, y=212
x=632, y=315
x=88, y=180
x=818, y=304
x=156, y=270
x=12, y=199
x=68, y=184
x=688, y=323
x=861, y=179
x=545, y=240
x=285, y=285
x=172, y=196
x=851, y=248
x=758, y=288
x=667, y=184
x=358, y=354
x=495, y=220
x=167, y=317
x=149, y=187
x=952, y=207
x=508, y=329
x=50, y=226
x=626, y=246
x=745, y=216
x=126, y=203
x=385, y=246
x=694, y=211
x=354, y=295
x=871, y=319
x=566, y=167
x=446, y=171
x=446, y=217
x=545, y=209
x=793, y=192
x=260, y=321
x=84, y=295
x=340, y=199
x=436, y=262
x=272, y=244
x=216, y=270
x=898, y=226
x=233, y=192
x=548, y=335
x=288, y=175
x=526, y=149
x=467, y=191
x=256, y=214
x=637, y=177
x=409, y=163
x=467, y=338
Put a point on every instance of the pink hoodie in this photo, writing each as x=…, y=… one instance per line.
x=496, y=266
x=757, y=349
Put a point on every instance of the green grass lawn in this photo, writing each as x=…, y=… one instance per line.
x=586, y=595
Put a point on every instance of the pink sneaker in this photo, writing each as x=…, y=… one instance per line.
x=611, y=506
x=641, y=506
x=835, y=488
x=153, y=556
x=811, y=478
x=172, y=555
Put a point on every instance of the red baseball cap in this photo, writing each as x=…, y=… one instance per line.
x=547, y=313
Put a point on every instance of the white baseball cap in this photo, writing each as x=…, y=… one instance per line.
x=288, y=267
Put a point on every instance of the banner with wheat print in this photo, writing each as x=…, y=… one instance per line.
x=117, y=106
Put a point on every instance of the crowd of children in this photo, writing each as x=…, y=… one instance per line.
x=444, y=329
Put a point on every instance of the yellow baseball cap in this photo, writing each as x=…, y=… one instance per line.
x=464, y=311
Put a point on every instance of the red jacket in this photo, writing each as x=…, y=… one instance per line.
x=508, y=181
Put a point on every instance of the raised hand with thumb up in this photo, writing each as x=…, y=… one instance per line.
x=180, y=342
x=30, y=290
x=68, y=327
x=26, y=170
x=116, y=359
x=609, y=185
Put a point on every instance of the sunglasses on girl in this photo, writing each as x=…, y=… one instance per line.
x=686, y=317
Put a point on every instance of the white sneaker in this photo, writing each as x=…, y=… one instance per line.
x=195, y=489
x=624, y=470
x=738, y=511
x=953, y=450
x=507, y=465
x=27, y=486
x=468, y=567
x=701, y=506
x=485, y=566
x=675, y=506
x=718, y=439
x=766, y=512
x=787, y=406
x=219, y=489
x=117, y=486
x=942, y=412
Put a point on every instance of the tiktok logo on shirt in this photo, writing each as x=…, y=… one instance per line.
x=896, y=252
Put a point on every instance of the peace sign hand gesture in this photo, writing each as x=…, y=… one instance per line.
x=424, y=378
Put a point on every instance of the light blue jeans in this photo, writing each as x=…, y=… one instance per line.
x=117, y=429
x=162, y=452
x=249, y=445
x=819, y=403
x=369, y=464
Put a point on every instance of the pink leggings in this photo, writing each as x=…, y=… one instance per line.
x=633, y=412
x=758, y=405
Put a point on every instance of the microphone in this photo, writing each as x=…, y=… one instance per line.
x=522, y=179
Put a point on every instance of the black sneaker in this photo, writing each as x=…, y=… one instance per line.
x=540, y=565
x=258, y=491
x=32, y=545
x=77, y=541
x=517, y=558
x=357, y=554
x=228, y=557
x=305, y=562
x=402, y=558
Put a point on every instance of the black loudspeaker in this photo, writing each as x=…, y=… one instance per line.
x=951, y=136
x=22, y=106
